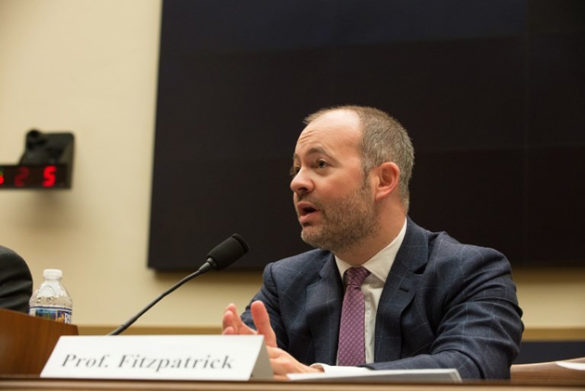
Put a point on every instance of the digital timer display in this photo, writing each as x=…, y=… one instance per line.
x=29, y=176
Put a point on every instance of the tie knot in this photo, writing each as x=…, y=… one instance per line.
x=355, y=276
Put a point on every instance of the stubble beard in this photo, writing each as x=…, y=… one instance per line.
x=345, y=223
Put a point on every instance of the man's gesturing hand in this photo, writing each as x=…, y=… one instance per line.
x=233, y=324
x=281, y=362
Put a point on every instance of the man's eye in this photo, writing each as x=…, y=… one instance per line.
x=294, y=170
x=322, y=164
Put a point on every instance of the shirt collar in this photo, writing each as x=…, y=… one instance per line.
x=379, y=265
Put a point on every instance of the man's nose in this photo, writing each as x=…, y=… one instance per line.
x=301, y=183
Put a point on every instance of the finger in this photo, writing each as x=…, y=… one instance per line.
x=231, y=307
x=230, y=318
x=228, y=323
x=232, y=323
x=228, y=331
x=262, y=322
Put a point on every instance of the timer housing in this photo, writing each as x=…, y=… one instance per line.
x=47, y=163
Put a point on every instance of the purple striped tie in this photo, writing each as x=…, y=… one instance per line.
x=351, y=347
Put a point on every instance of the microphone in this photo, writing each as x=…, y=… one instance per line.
x=221, y=256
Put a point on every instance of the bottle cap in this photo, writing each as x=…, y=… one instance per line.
x=52, y=274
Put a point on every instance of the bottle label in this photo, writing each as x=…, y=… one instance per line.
x=59, y=314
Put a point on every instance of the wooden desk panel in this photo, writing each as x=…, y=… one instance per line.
x=26, y=342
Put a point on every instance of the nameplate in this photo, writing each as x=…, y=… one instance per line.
x=165, y=357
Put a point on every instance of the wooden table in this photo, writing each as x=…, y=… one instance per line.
x=35, y=383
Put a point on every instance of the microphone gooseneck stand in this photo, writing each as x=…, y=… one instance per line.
x=221, y=256
x=130, y=321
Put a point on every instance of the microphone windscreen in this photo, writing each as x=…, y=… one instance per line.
x=228, y=251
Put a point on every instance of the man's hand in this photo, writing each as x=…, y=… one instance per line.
x=233, y=324
x=281, y=362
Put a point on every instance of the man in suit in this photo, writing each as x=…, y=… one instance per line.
x=427, y=301
x=15, y=281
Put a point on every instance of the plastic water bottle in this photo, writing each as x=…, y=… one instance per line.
x=51, y=300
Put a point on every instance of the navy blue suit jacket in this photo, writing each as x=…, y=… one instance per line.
x=444, y=305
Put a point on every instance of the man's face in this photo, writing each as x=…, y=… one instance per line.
x=332, y=198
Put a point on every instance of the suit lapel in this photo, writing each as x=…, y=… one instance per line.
x=324, y=300
x=398, y=292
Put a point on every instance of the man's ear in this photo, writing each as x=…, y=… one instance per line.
x=387, y=177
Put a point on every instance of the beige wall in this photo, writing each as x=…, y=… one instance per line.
x=90, y=67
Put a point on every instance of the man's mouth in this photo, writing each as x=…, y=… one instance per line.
x=305, y=211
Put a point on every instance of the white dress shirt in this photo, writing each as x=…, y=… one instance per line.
x=379, y=267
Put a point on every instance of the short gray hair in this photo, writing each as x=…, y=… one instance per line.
x=383, y=140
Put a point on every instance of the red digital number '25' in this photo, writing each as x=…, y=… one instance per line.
x=49, y=176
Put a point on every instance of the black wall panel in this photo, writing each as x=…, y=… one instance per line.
x=491, y=92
